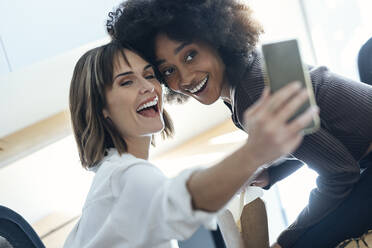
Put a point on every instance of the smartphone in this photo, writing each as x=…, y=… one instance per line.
x=283, y=65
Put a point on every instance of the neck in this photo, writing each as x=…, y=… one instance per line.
x=225, y=92
x=139, y=146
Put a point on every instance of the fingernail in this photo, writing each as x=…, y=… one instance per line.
x=314, y=109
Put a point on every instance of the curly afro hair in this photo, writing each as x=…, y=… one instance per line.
x=226, y=25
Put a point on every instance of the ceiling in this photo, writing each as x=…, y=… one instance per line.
x=37, y=30
x=40, y=43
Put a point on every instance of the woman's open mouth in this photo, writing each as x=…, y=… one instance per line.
x=149, y=108
x=200, y=87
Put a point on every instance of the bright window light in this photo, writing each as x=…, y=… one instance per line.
x=233, y=137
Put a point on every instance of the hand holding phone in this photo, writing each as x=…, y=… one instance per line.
x=283, y=65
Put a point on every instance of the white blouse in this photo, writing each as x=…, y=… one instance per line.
x=132, y=204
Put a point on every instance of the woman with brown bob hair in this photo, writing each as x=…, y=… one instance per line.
x=116, y=107
x=205, y=49
x=93, y=132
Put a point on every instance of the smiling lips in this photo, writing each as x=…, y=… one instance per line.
x=149, y=108
x=199, y=87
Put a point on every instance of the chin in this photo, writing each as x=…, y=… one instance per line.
x=156, y=128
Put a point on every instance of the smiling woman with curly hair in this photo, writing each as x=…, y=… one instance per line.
x=206, y=50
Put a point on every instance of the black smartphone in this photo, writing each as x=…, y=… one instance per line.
x=283, y=65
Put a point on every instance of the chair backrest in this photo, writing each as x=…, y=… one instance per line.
x=204, y=238
x=16, y=230
x=365, y=62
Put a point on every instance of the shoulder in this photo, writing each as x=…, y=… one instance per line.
x=252, y=83
x=118, y=171
x=325, y=81
x=114, y=162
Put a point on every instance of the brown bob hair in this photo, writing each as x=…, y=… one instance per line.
x=93, y=133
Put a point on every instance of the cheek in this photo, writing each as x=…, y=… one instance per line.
x=158, y=88
x=211, y=64
x=172, y=85
x=172, y=82
x=159, y=91
x=120, y=113
x=214, y=61
x=121, y=119
x=219, y=67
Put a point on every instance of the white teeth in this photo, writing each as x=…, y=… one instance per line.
x=148, y=104
x=199, y=86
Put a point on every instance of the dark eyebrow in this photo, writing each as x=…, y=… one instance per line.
x=130, y=72
x=159, y=62
x=147, y=67
x=176, y=50
x=180, y=47
x=123, y=74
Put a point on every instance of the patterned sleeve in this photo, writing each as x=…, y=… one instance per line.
x=333, y=151
x=338, y=172
x=345, y=109
x=282, y=170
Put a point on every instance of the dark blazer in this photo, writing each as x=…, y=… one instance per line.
x=333, y=151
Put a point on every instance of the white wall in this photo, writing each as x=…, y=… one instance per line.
x=283, y=20
x=37, y=91
x=37, y=30
x=339, y=28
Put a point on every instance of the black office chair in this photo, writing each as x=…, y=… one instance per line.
x=16, y=230
x=204, y=238
x=365, y=62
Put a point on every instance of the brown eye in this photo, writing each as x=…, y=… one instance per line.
x=190, y=56
x=126, y=83
x=167, y=72
x=150, y=77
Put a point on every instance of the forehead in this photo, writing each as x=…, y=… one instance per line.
x=164, y=39
x=128, y=60
x=164, y=44
x=167, y=48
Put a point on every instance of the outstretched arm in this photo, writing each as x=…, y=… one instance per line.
x=270, y=136
x=171, y=208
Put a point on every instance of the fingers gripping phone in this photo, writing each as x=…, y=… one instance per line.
x=283, y=65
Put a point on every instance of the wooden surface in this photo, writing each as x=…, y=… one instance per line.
x=54, y=228
x=201, y=143
x=34, y=137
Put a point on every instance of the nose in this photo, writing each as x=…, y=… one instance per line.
x=146, y=86
x=186, y=79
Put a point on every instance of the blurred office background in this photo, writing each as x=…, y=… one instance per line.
x=40, y=42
